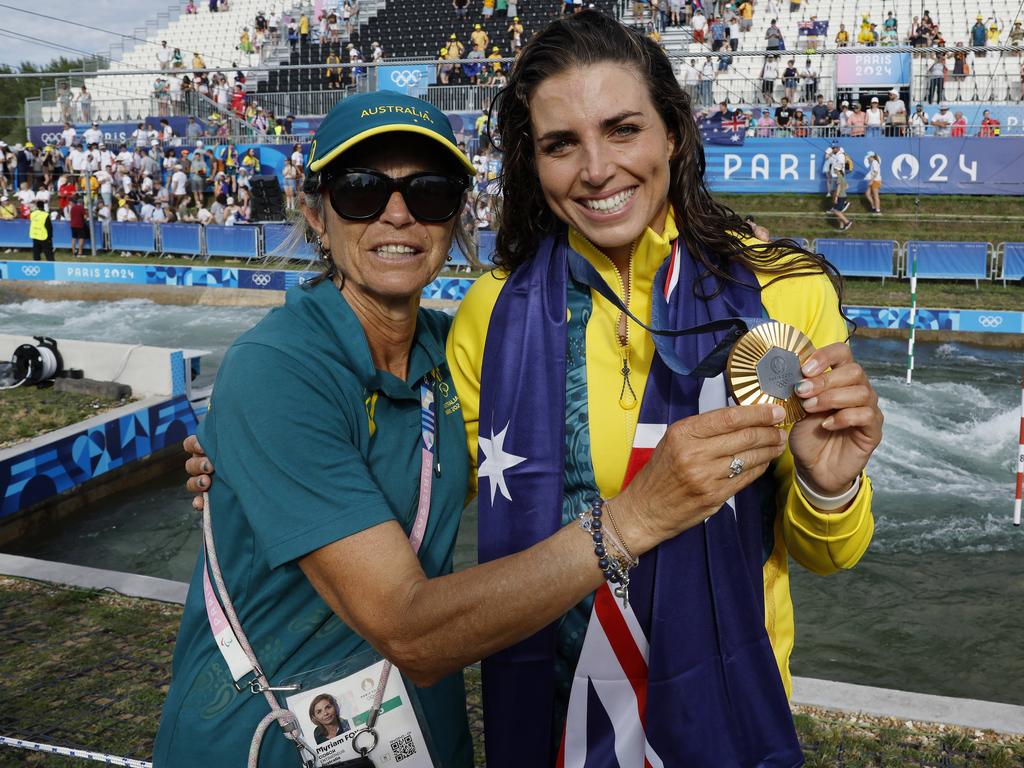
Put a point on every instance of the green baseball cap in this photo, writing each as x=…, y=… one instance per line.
x=360, y=117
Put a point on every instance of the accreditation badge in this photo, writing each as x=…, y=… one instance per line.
x=333, y=707
x=764, y=367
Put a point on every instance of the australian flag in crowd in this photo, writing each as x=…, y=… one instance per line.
x=812, y=28
x=727, y=129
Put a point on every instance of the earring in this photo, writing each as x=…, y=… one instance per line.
x=324, y=253
x=449, y=257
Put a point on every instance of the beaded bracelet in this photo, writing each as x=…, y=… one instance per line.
x=615, y=565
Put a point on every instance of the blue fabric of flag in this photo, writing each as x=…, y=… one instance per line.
x=724, y=130
x=715, y=696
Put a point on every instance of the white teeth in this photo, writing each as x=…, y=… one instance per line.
x=393, y=249
x=611, y=204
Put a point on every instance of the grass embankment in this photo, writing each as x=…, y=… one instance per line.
x=953, y=217
x=91, y=670
x=26, y=412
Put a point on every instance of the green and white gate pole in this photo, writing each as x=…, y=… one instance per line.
x=913, y=314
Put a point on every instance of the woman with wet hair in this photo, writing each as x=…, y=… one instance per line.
x=577, y=361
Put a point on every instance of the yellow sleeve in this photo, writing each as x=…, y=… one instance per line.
x=822, y=542
x=465, y=349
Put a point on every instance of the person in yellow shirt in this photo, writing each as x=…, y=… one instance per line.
x=842, y=37
x=495, y=58
x=865, y=35
x=303, y=29
x=613, y=193
x=333, y=74
x=479, y=38
x=40, y=232
x=8, y=210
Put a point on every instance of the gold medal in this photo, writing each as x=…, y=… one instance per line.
x=764, y=367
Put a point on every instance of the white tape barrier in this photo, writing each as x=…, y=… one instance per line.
x=99, y=757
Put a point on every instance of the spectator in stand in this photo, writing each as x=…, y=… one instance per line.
x=460, y=6
x=769, y=72
x=68, y=135
x=495, y=59
x=1016, y=36
x=732, y=24
x=856, y=120
x=487, y=8
x=251, y=161
x=707, y=82
x=8, y=210
x=889, y=36
x=994, y=31
x=809, y=78
x=919, y=122
x=798, y=125
x=163, y=55
x=198, y=63
x=84, y=100
x=303, y=29
x=874, y=119
x=773, y=37
x=675, y=8
x=895, y=114
x=842, y=37
x=333, y=73
x=937, y=79
x=293, y=34
x=783, y=116
x=746, y=11
x=179, y=185
x=718, y=33
x=790, y=80
x=515, y=34
x=865, y=36
x=689, y=79
x=978, y=37
x=942, y=121
x=959, y=129
x=990, y=127
x=238, y=102
x=289, y=174
x=874, y=179
x=698, y=24
x=820, y=116
x=479, y=39
x=190, y=8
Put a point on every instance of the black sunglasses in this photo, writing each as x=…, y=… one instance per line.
x=360, y=194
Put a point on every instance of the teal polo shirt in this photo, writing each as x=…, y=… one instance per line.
x=311, y=444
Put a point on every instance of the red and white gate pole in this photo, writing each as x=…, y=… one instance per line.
x=1020, y=458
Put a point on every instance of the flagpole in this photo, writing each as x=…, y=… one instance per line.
x=1020, y=459
x=913, y=315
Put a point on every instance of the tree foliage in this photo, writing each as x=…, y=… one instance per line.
x=14, y=91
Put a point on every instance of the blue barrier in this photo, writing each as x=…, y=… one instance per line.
x=859, y=258
x=14, y=234
x=484, y=249
x=237, y=242
x=62, y=234
x=1013, y=262
x=132, y=236
x=948, y=260
x=275, y=234
x=181, y=238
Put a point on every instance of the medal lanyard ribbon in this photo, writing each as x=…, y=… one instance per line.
x=238, y=661
x=582, y=271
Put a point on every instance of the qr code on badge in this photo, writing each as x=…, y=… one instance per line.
x=403, y=747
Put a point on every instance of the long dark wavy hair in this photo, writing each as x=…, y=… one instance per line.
x=712, y=232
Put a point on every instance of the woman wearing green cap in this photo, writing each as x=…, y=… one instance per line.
x=338, y=440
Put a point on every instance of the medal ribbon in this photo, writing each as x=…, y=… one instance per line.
x=583, y=272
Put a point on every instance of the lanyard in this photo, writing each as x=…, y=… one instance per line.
x=582, y=271
x=239, y=662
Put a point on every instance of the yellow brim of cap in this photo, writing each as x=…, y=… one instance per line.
x=320, y=162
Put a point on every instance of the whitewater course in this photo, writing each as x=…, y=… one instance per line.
x=936, y=605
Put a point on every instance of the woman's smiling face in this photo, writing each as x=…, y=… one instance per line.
x=602, y=153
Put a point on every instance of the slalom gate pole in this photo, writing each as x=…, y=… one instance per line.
x=1020, y=459
x=913, y=315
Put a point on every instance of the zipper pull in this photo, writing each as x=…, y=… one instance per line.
x=627, y=397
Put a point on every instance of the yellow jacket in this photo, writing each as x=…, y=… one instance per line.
x=821, y=542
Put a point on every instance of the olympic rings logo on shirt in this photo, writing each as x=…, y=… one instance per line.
x=990, y=321
x=406, y=77
x=262, y=279
x=30, y=271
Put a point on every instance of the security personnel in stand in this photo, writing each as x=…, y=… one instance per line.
x=40, y=230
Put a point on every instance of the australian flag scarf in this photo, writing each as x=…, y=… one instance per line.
x=685, y=675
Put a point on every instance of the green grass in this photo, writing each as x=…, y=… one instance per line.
x=933, y=294
x=91, y=669
x=928, y=217
x=26, y=412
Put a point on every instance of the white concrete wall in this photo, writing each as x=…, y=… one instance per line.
x=147, y=370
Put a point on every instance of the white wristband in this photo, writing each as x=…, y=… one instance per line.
x=827, y=503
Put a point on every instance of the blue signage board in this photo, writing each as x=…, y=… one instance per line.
x=870, y=70
x=410, y=79
x=926, y=166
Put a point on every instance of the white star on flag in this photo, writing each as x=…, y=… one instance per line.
x=496, y=461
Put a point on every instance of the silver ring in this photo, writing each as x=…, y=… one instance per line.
x=364, y=751
x=736, y=466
